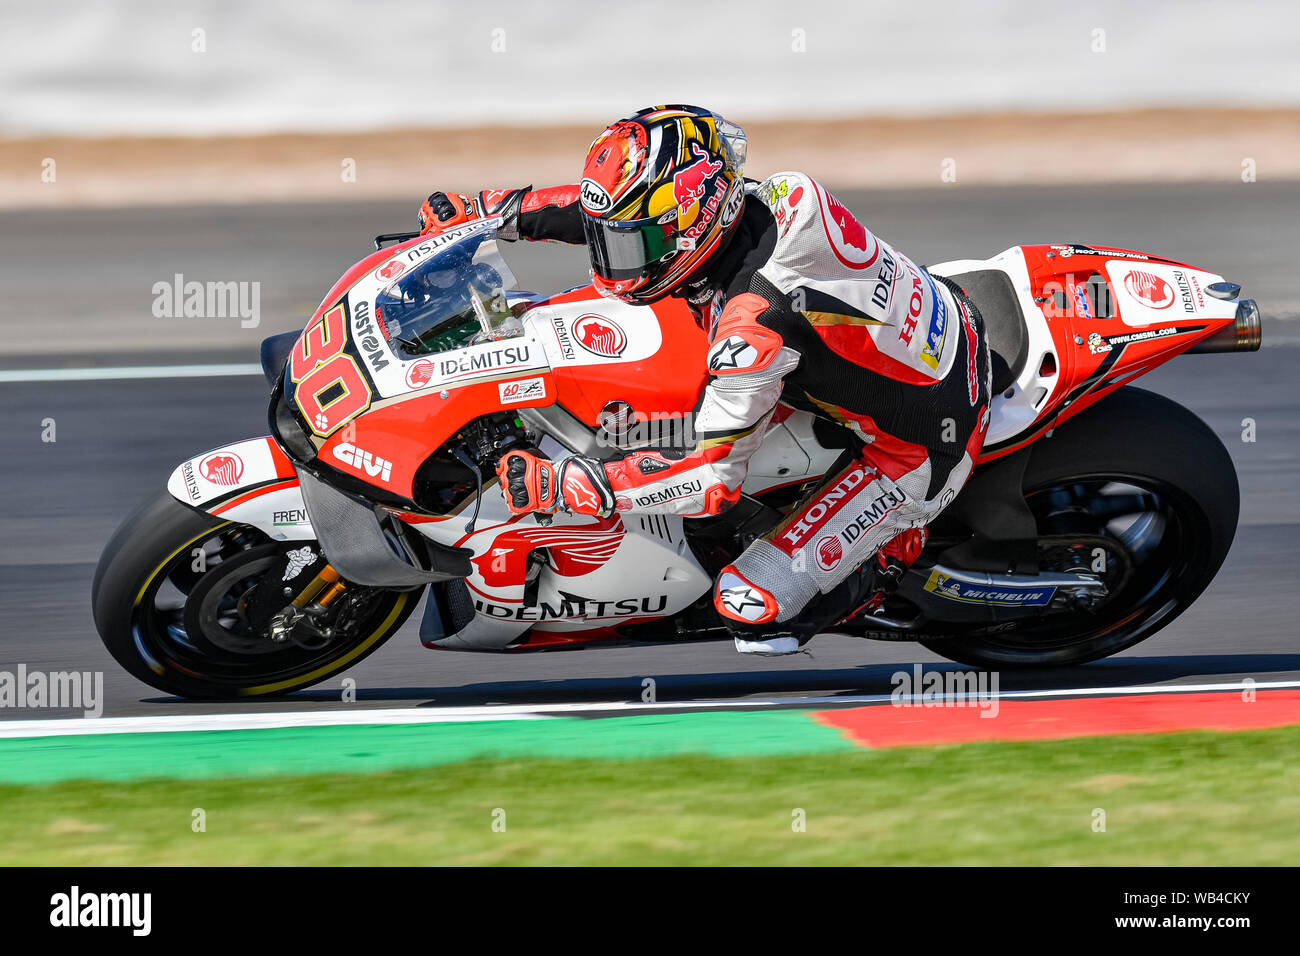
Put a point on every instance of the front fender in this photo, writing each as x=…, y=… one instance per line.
x=252, y=482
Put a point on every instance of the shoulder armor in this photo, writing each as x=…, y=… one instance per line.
x=740, y=343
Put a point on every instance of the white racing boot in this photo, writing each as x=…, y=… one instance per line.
x=769, y=645
x=823, y=612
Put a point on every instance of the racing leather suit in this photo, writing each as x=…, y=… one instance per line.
x=807, y=308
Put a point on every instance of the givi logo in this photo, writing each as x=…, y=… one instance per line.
x=363, y=461
x=1149, y=289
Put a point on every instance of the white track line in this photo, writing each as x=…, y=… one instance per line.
x=126, y=372
x=306, y=718
x=498, y=712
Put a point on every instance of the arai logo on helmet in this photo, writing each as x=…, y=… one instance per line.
x=1149, y=289
x=599, y=335
x=732, y=209
x=593, y=196
x=223, y=468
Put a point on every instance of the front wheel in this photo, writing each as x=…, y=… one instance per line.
x=1149, y=484
x=181, y=600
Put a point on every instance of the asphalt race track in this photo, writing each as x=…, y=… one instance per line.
x=77, y=292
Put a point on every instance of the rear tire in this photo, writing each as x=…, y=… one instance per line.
x=152, y=554
x=1140, y=438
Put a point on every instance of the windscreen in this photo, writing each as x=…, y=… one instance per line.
x=455, y=297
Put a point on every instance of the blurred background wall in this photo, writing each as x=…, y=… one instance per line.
x=267, y=140
x=200, y=101
x=163, y=67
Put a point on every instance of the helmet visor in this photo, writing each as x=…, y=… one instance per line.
x=638, y=248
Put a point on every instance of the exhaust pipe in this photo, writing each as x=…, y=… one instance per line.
x=1244, y=335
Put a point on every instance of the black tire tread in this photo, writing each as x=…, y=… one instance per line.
x=1131, y=431
x=145, y=540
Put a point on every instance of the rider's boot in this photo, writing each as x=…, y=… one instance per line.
x=869, y=584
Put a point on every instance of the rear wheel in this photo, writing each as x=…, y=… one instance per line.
x=178, y=600
x=1143, y=481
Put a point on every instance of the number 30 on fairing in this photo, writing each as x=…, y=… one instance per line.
x=331, y=390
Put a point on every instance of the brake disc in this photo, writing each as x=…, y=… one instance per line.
x=217, y=608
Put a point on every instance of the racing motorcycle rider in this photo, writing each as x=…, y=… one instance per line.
x=804, y=307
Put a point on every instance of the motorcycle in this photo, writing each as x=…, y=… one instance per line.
x=1096, y=514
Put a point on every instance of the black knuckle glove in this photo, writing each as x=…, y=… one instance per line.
x=442, y=206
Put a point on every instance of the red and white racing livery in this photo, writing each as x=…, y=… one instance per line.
x=391, y=407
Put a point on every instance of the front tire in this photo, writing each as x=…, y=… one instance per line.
x=1142, y=470
x=165, y=551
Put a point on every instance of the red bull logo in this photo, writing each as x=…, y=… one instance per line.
x=223, y=468
x=688, y=182
x=600, y=336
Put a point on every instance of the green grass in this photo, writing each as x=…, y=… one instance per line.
x=1177, y=799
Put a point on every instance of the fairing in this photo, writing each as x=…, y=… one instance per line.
x=581, y=352
x=1077, y=351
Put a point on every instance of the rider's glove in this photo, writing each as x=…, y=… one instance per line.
x=446, y=210
x=575, y=484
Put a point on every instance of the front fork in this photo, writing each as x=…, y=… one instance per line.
x=311, y=603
